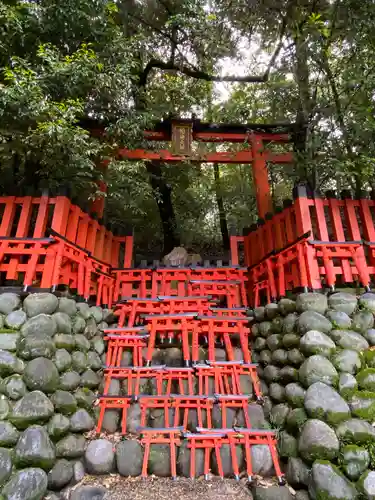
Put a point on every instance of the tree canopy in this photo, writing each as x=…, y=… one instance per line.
x=128, y=63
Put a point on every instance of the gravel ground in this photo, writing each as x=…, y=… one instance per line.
x=164, y=488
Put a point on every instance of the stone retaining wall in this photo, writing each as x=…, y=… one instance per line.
x=317, y=370
x=51, y=352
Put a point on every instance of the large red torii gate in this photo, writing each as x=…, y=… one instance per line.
x=182, y=132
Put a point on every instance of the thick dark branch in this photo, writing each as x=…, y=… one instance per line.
x=198, y=74
x=203, y=75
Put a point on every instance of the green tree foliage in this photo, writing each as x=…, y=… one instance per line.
x=127, y=63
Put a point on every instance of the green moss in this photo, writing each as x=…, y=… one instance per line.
x=367, y=411
x=369, y=358
x=8, y=330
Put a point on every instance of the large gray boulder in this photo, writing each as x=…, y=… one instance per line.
x=262, y=460
x=367, y=301
x=355, y=460
x=347, y=361
x=100, y=457
x=295, y=395
x=97, y=313
x=78, y=324
x=287, y=306
x=356, y=431
x=60, y=475
x=65, y=341
x=366, y=484
x=67, y=306
x=311, y=302
x=347, y=384
x=40, y=303
x=8, y=341
x=33, y=408
x=9, y=302
x=129, y=458
x=312, y=320
x=323, y=402
x=9, y=435
x=362, y=405
x=81, y=421
x=41, y=375
x=326, y=481
x=315, y=342
x=297, y=472
x=39, y=324
x=35, y=345
x=317, y=441
x=63, y=360
x=26, y=484
x=63, y=322
x=318, y=369
x=15, y=319
x=58, y=426
x=347, y=339
x=9, y=364
x=79, y=361
x=343, y=302
x=69, y=381
x=340, y=320
x=71, y=446
x=64, y=402
x=5, y=465
x=35, y=449
x=362, y=321
x=13, y=387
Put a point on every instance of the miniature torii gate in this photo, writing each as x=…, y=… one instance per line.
x=182, y=132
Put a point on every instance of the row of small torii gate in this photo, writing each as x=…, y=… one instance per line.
x=311, y=243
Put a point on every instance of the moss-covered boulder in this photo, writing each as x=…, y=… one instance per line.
x=41, y=374
x=287, y=445
x=347, y=385
x=355, y=460
x=329, y=483
x=316, y=342
x=287, y=306
x=295, y=357
x=35, y=449
x=356, y=431
x=279, y=414
x=33, y=408
x=295, y=420
x=295, y=395
x=318, y=369
x=324, y=403
x=343, y=302
x=311, y=320
x=362, y=405
x=64, y=402
x=362, y=321
x=367, y=302
x=348, y=339
x=311, y=302
x=340, y=320
x=366, y=379
x=317, y=441
x=347, y=360
x=366, y=484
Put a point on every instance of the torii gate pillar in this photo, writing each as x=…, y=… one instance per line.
x=260, y=177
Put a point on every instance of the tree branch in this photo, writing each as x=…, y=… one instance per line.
x=202, y=75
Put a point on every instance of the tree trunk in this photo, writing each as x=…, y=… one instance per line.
x=163, y=197
x=220, y=205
